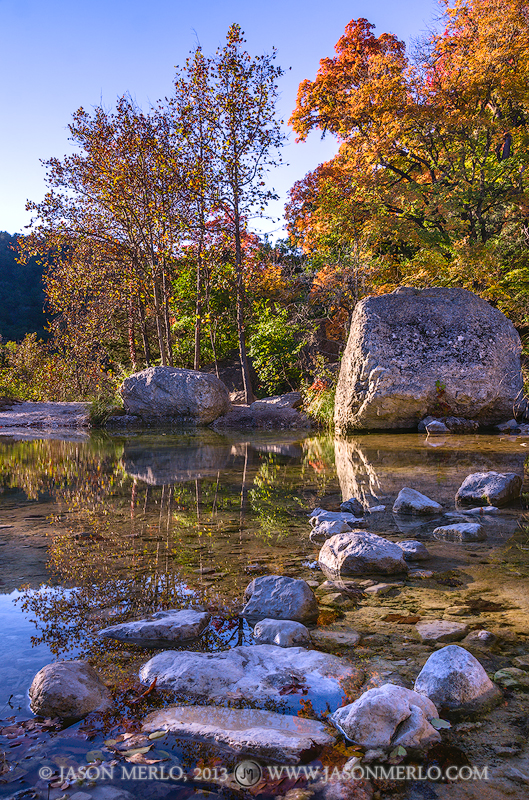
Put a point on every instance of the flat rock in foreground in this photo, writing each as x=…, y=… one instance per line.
x=279, y=737
x=165, y=394
x=264, y=675
x=411, y=350
x=489, y=488
x=160, y=629
x=361, y=553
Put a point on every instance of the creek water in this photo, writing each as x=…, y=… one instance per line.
x=106, y=528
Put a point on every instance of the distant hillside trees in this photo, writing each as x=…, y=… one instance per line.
x=21, y=292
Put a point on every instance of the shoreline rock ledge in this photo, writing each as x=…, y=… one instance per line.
x=420, y=352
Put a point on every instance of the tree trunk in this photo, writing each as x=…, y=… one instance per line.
x=159, y=322
x=167, y=324
x=245, y=369
x=198, y=308
x=132, y=341
x=144, y=336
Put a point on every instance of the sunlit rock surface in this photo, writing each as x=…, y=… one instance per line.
x=414, y=351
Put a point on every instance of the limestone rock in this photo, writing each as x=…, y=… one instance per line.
x=264, y=675
x=441, y=630
x=361, y=553
x=284, y=633
x=320, y=515
x=279, y=737
x=456, y=682
x=347, y=638
x=436, y=427
x=160, y=629
x=352, y=506
x=481, y=638
x=381, y=588
x=489, y=488
x=461, y=532
x=461, y=425
x=410, y=501
x=413, y=550
x=327, y=528
x=387, y=717
x=289, y=400
x=166, y=393
x=278, y=597
x=69, y=690
x=407, y=348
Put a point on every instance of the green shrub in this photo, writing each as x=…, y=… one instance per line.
x=274, y=348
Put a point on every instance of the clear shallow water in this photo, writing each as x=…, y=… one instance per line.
x=117, y=527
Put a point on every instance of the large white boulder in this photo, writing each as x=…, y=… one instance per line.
x=389, y=716
x=69, y=690
x=167, y=393
x=361, y=553
x=279, y=597
x=160, y=629
x=265, y=675
x=489, y=488
x=456, y=682
x=435, y=351
x=279, y=737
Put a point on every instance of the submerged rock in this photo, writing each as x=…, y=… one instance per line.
x=389, y=716
x=461, y=532
x=409, y=349
x=456, y=682
x=361, y=553
x=279, y=737
x=69, y=690
x=441, y=630
x=168, y=393
x=279, y=597
x=344, y=638
x=264, y=675
x=160, y=629
x=410, y=501
x=413, y=550
x=489, y=488
x=436, y=427
x=284, y=633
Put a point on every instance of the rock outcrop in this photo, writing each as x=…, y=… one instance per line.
x=165, y=394
x=162, y=629
x=415, y=353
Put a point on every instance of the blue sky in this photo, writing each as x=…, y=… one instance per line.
x=56, y=56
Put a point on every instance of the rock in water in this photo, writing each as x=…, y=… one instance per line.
x=276, y=678
x=278, y=597
x=387, y=717
x=165, y=393
x=361, y=553
x=461, y=532
x=410, y=501
x=456, y=682
x=69, y=690
x=279, y=737
x=489, y=488
x=441, y=630
x=413, y=550
x=283, y=632
x=161, y=629
x=414, y=353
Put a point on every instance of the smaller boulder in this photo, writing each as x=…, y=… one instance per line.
x=410, y=501
x=481, y=638
x=461, y=425
x=436, y=427
x=327, y=528
x=413, y=550
x=441, y=630
x=320, y=515
x=361, y=553
x=284, y=633
x=461, y=532
x=161, y=629
x=288, y=400
x=457, y=683
x=352, y=506
x=479, y=511
x=389, y=716
x=279, y=597
x=69, y=690
x=489, y=488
